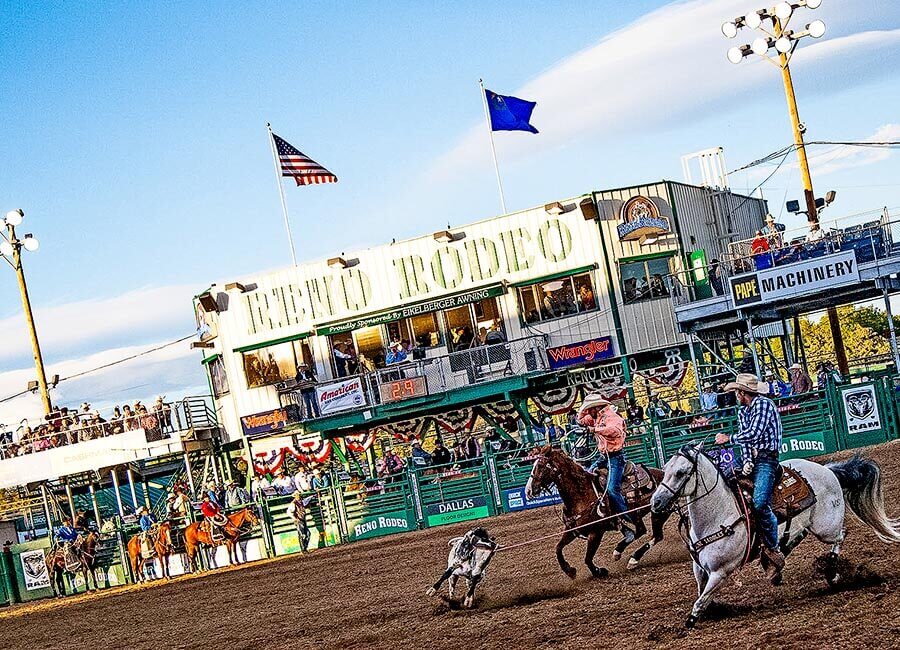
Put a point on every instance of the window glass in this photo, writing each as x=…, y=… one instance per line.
x=645, y=279
x=557, y=298
x=270, y=365
x=425, y=330
x=217, y=377
x=460, y=328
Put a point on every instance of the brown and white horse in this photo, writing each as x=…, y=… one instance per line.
x=195, y=535
x=162, y=545
x=83, y=551
x=588, y=511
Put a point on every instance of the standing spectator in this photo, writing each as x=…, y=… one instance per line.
x=236, y=495
x=800, y=381
x=296, y=510
x=182, y=504
x=715, y=277
x=759, y=249
x=440, y=455
x=472, y=448
x=709, y=400
x=163, y=414
x=306, y=378
x=303, y=479
x=635, y=413
x=420, y=456
x=341, y=359
x=393, y=464
x=658, y=407
x=283, y=483
x=773, y=231
x=320, y=480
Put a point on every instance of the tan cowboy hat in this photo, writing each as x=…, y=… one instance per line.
x=770, y=218
x=796, y=366
x=746, y=382
x=593, y=400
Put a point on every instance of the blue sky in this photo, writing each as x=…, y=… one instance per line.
x=133, y=135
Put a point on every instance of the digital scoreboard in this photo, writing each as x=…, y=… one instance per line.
x=394, y=391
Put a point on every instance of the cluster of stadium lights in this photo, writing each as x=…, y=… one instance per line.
x=784, y=41
x=29, y=242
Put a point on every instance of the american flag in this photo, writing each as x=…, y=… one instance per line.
x=298, y=166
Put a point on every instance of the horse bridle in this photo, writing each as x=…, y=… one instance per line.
x=544, y=462
x=676, y=493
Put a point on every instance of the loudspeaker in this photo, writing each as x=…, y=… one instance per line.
x=208, y=302
x=589, y=209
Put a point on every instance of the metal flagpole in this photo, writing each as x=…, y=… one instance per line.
x=487, y=118
x=287, y=223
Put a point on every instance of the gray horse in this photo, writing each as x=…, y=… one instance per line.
x=712, y=507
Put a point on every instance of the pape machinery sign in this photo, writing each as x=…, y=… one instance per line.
x=790, y=280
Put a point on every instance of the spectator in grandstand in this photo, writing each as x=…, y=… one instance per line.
x=163, y=413
x=440, y=455
x=800, y=381
x=303, y=479
x=419, y=456
x=815, y=233
x=472, y=447
x=634, y=413
x=827, y=372
x=320, y=479
x=341, y=359
x=116, y=425
x=283, y=483
x=393, y=464
x=296, y=510
x=715, y=277
x=773, y=231
x=658, y=407
x=395, y=353
x=306, y=379
x=236, y=495
x=759, y=249
x=459, y=454
x=129, y=421
x=709, y=400
x=774, y=386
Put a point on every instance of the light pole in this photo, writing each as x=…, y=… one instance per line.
x=11, y=251
x=784, y=41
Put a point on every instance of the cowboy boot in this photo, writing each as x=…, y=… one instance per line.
x=773, y=563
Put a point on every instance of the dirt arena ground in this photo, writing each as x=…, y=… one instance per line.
x=372, y=595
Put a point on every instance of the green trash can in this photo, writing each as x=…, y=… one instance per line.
x=8, y=591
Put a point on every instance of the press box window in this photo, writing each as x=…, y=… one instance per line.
x=275, y=363
x=217, y=377
x=557, y=298
x=645, y=279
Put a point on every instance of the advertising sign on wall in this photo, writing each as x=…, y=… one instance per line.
x=268, y=421
x=34, y=569
x=790, y=280
x=574, y=354
x=861, y=409
x=448, y=512
x=384, y=524
x=515, y=499
x=340, y=396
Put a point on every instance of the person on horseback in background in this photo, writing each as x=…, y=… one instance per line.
x=759, y=439
x=599, y=416
x=66, y=536
x=214, y=515
x=147, y=523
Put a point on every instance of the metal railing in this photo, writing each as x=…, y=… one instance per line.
x=476, y=365
x=870, y=241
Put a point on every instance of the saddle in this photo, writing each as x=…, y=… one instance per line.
x=792, y=494
x=636, y=484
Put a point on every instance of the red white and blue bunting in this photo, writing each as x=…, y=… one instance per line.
x=557, y=401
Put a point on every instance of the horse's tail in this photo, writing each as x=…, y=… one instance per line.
x=860, y=478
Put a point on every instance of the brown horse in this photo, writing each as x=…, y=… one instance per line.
x=83, y=551
x=586, y=508
x=195, y=534
x=161, y=541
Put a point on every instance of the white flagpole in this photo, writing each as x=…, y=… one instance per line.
x=287, y=223
x=487, y=118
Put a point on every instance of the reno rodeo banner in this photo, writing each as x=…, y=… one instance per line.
x=575, y=354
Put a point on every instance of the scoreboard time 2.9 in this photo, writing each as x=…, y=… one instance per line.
x=394, y=391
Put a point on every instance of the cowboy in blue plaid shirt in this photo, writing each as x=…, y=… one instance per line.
x=760, y=441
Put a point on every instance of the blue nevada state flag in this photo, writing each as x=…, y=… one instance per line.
x=509, y=113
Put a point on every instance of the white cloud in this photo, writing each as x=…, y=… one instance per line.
x=174, y=371
x=75, y=327
x=666, y=67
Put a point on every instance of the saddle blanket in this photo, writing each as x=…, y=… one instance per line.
x=636, y=481
x=792, y=494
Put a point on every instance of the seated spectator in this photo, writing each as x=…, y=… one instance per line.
x=709, y=400
x=303, y=479
x=320, y=479
x=419, y=455
x=283, y=483
x=774, y=386
x=395, y=354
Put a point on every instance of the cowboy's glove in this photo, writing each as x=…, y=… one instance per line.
x=747, y=469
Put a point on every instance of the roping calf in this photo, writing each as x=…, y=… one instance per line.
x=468, y=558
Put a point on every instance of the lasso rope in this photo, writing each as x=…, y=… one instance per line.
x=569, y=530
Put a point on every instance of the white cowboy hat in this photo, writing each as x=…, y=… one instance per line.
x=796, y=366
x=746, y=382
x=770, y=218
x=593, y=400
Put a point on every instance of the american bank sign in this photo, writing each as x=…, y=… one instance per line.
x=790, y=280
x=384, y=279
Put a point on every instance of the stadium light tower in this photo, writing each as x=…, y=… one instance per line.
x=11, y=251
x=773, y=24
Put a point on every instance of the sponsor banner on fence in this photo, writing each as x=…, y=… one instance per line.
x=809, y=444
x=575, y=354
x=448, y=512
x=789, y=280
x=515, y=499
x=340, y=396
x=34, y=569
x=384, y=524
x=861, y=409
